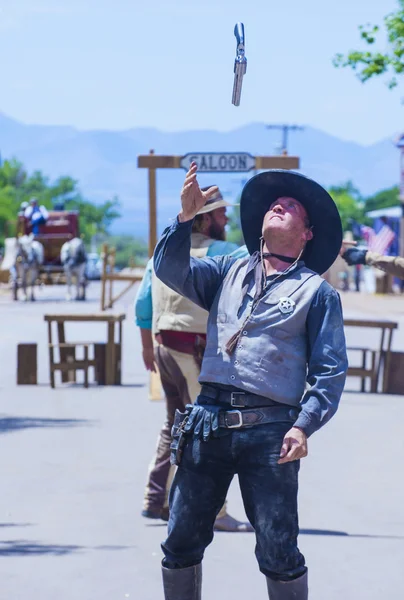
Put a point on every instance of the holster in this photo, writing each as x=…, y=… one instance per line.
x=178, y=436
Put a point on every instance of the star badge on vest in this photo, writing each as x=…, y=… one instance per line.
x=286, y=305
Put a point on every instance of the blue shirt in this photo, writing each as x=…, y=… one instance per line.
x=144, y=300
x=201, y=281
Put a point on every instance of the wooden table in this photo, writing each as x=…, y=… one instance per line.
x=110, y=319
x=383, y=353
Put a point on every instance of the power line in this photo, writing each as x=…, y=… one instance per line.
x=285, y=131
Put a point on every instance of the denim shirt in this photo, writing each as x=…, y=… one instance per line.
x=201, y=281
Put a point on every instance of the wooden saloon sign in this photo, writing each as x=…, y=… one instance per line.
x=219, y=162
x=208, y=162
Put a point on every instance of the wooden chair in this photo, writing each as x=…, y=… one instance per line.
x=363, y=371
x=379, y=358
x=107, y=356
x=68, y=363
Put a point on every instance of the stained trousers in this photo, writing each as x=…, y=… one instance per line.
x=269, y=492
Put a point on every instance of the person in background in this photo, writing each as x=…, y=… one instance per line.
x=393, y=265
x=173, y=334
x=23, y=208
x=376, y=254
x=37, y=215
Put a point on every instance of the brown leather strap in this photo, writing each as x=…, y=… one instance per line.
x=234, y=419
x=234, y=397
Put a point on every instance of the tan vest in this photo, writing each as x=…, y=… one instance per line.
x=173, y=312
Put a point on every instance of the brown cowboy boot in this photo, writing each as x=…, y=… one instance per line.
x=288, y=590
x=183, y=584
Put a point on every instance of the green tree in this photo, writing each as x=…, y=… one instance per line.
x=94, y=218
x=349, y=203
x=383, y=199
x=17, y=186
x=371, y=64
x=127, y=249
x=234, y=233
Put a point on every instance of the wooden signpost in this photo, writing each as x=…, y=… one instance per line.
x=208, y=162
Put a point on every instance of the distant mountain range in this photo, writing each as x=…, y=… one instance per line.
x=104, y=162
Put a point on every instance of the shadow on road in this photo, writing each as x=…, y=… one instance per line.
x=132, y=385
x=27, y=548
x=52, y=300
x=32, y=548
x=10, y=424
x=16, y=525
x=345, y=534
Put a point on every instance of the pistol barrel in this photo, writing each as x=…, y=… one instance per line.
x=240, y=64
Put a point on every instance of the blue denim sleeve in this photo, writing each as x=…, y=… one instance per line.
x=196, y=279
x=327, y=360
x=143, y=301
x=240, y=252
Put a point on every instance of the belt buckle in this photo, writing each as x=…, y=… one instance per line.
x=240, y=417
x=233, y=399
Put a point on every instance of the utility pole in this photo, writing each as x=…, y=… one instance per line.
x=285, y=131
x=399, y=143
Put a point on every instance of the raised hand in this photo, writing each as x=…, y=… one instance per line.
x=192, y=197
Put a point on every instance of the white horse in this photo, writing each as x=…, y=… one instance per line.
x=28, y=258
x=74, y=257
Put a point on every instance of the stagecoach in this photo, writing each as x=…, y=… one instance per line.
x=61, y=226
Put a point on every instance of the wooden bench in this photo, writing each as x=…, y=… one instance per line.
x=379, y=358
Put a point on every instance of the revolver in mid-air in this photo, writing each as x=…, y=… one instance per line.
x=240, y=64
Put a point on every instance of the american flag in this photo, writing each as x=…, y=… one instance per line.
x=378, y=242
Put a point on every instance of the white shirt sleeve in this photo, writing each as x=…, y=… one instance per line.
x=44, y=212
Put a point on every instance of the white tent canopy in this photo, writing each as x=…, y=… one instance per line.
x=394, y=212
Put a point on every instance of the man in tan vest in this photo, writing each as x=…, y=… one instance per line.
x=178, y=327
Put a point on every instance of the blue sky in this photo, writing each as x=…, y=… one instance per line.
x=169, y=64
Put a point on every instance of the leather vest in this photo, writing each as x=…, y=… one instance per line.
x=173, y=312
x=270, y=358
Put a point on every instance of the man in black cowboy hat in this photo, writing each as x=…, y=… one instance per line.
x=273, y=373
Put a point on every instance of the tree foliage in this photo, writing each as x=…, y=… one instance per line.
x=369, y=64
x=349, y=203
x=94, y=218
x=17, y=186
x=234, y=233
x=127, y=249
x=383, y=199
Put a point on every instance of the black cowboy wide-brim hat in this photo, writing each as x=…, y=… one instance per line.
x=263, y=189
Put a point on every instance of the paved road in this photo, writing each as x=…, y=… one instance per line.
x=73, y=465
